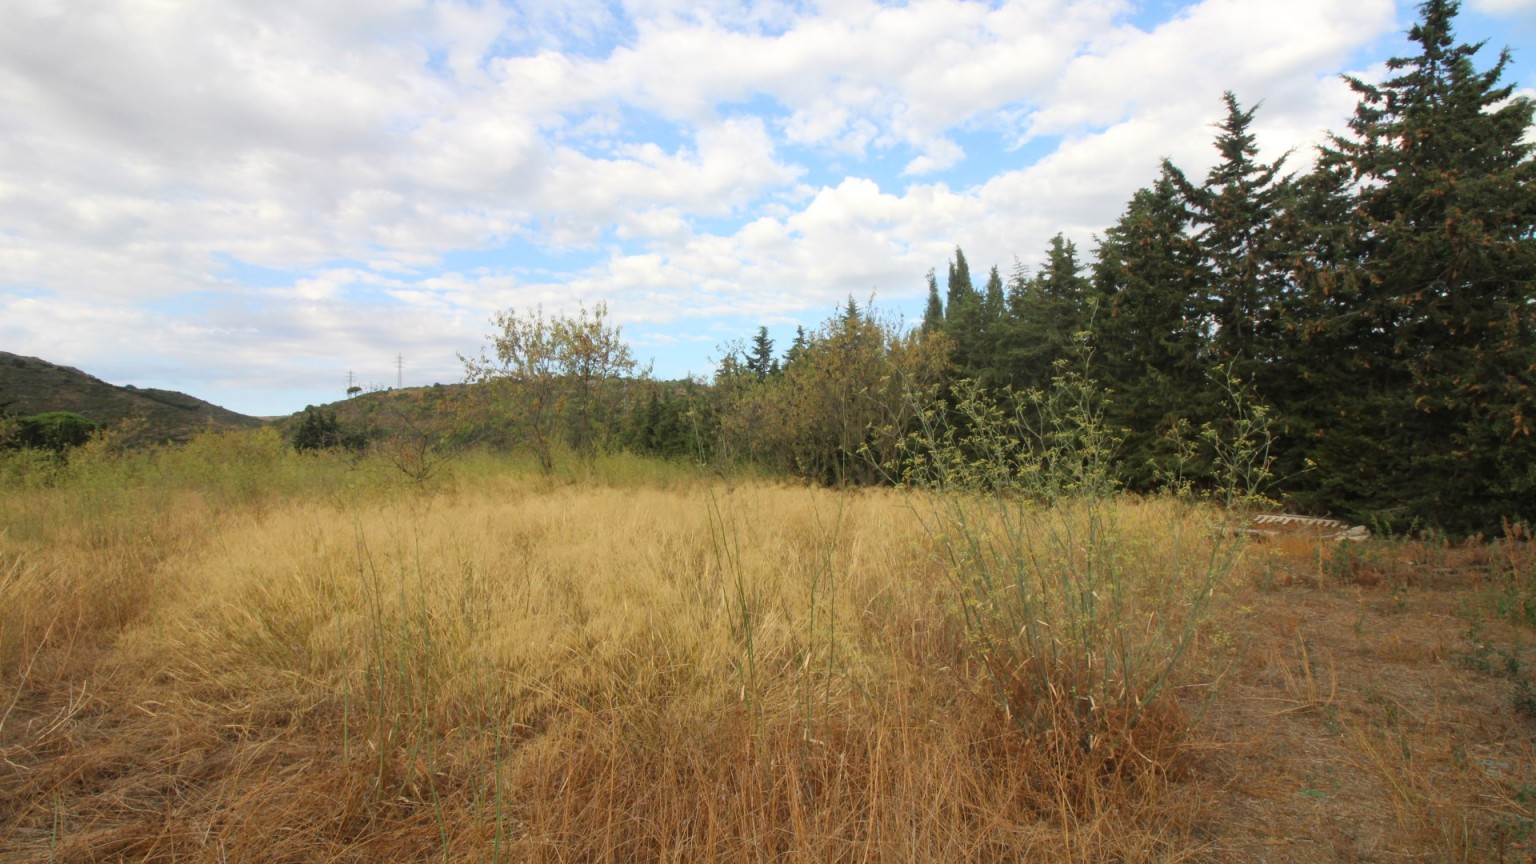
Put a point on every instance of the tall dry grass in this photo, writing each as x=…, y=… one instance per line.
x=289, y=658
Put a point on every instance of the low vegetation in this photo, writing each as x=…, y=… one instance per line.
x=236, y=651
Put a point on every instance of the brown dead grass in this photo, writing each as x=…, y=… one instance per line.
x=513, y=671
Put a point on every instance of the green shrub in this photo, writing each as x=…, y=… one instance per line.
x=58, y=431
x=320, y=429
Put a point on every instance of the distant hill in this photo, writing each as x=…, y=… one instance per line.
x=31, y=386
x=408, y=410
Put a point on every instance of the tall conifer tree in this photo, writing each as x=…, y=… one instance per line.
x=761, y=362
x=1427, y=303
x=1232, y=213
x=1150, y=332
x=933, y=315
x=961, y=290
x=992, y=301
x=1046, y=317
x=994, y=331
x=963, y=319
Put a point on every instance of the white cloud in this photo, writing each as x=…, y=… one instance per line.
x=1503, y=7
x=1256, y=48
x=680, y=160
x=938, y=154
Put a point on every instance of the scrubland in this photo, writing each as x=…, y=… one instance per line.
x=233, y=652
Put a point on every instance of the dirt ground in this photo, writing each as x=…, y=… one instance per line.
x=1373, y=710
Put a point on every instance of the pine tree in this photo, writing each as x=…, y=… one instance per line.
x=1046, y=318
x=992, y=302
x=1232, y=213
x=960, y=288
x=1018, y=286
x=851, y=312
x=641, y=432
x=1008, y=355
x=319, y=429
x=761, y=361
x=1425, y=300
x=994, y=331
x=797, y=348
x=1150, y=331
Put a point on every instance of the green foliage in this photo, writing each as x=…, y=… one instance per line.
x=1079, y=636
x=1378, y=308
x=674, y=422
x=761, y=361
x=1045, y=315
x=840, y=402
x=1190, y=285
x=423, y=431
x=1044, y=445
x=1243, y=252
x=320, y=429
x=30, y=468
x=1229, y=458
x=1150, y=330
x=992, y=303
x=564, y=373
x=797, y=347
x=1417, y=307
x=56, y=431
x=960, y=290
x=964, y=319
x=933, y=313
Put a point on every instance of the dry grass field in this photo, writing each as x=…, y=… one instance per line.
x=231, y=652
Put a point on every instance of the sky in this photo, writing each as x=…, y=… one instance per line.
x=258, y=202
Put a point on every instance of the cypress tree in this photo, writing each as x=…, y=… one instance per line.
x=963, y=319
x=960, y=288
x=933, y=315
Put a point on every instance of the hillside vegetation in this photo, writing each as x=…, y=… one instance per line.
x=29, y=386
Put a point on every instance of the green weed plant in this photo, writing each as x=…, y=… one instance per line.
x=1081, y=611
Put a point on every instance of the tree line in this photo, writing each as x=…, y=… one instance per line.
x=1378, y=306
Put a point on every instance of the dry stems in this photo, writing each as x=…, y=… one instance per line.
x=512, y=668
